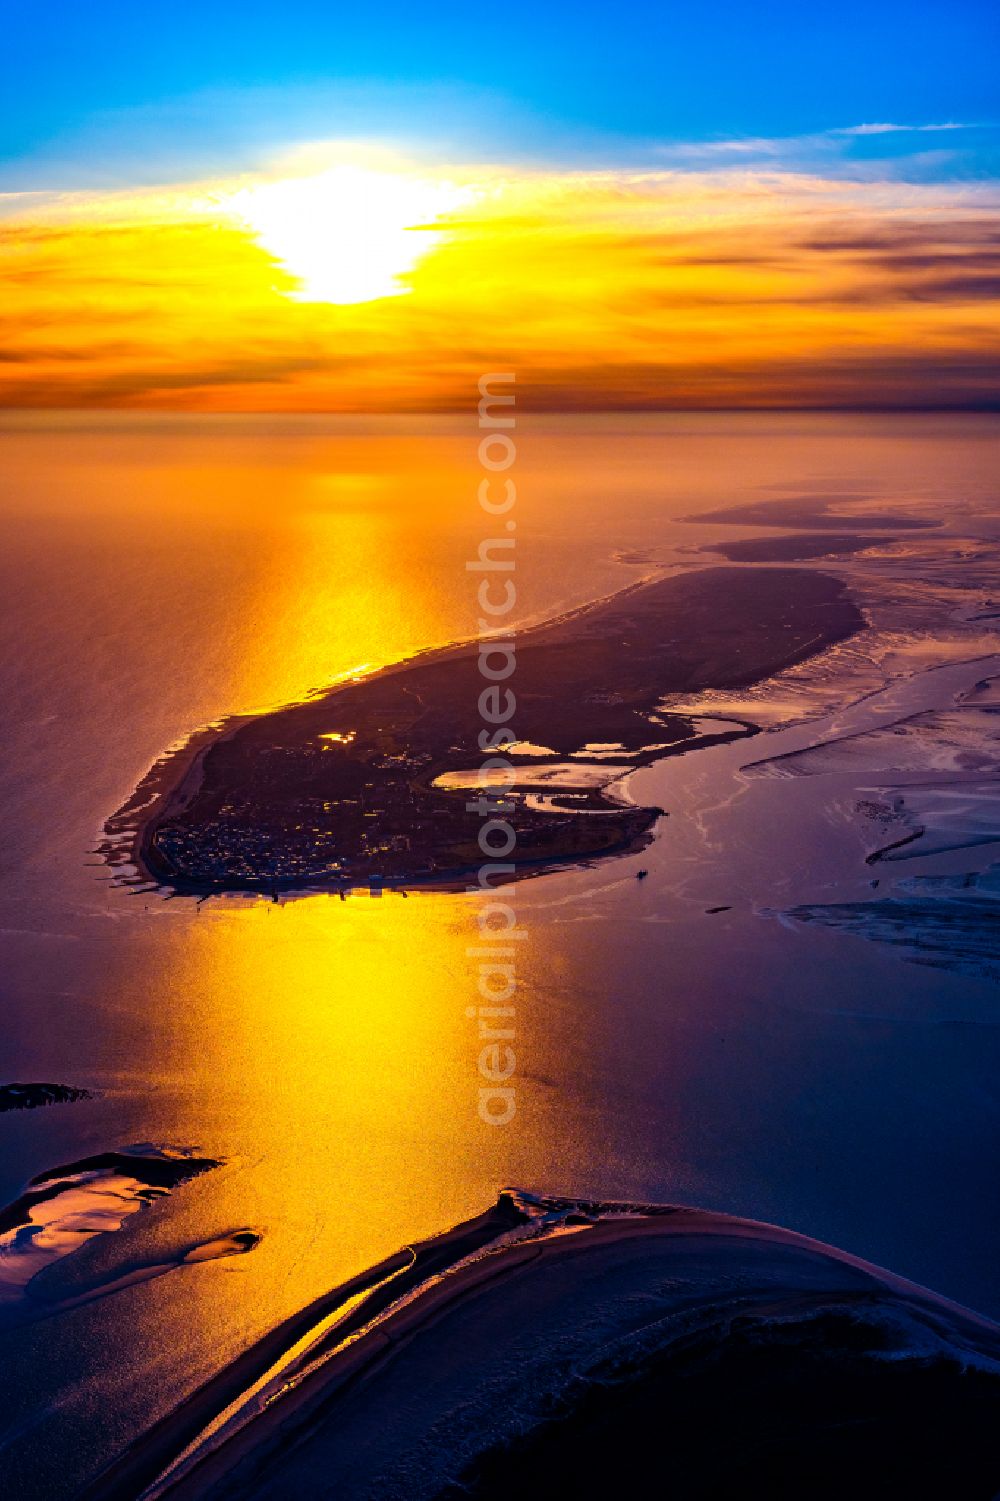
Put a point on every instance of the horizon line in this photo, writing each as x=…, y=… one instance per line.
x=984, y=408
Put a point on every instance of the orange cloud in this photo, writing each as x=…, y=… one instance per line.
x=609, y=289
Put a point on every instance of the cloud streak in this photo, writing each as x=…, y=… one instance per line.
x=887, y=129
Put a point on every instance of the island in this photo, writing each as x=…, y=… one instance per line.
x=794, y=547
x=375, y=781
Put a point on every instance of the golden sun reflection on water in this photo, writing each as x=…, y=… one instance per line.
x=343, y=585
x=323, y=1048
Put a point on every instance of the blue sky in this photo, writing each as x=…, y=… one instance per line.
x=117, y=91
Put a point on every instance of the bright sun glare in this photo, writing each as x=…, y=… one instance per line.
x=349, y=234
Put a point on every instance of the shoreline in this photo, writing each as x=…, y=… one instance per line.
x=121, y=842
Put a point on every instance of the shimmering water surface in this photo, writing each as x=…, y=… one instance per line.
x=162, y=573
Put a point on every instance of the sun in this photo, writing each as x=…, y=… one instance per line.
x=351, y=233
